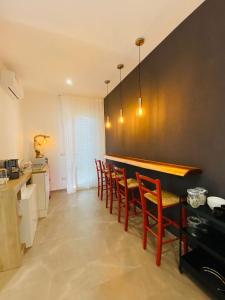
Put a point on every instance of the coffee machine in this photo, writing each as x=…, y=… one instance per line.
x=12, y=167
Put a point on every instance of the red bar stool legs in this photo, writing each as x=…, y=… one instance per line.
x=119, y=207
x=112, y=186
x=145, y=224
x=159, y=241
x=126, y=210
x=107, y=186
x=111, y=198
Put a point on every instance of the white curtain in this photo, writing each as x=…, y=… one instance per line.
x=84, y=135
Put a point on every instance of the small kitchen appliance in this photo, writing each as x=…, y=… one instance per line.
x=12, y=167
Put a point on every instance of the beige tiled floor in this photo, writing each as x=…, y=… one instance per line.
x=82, y=253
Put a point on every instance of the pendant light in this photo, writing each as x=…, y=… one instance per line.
x=121, y=119
x=108, y=123
x=139, y=42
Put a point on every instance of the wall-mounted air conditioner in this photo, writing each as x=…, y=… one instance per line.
x=9, y=82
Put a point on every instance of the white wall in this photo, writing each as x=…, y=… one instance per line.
x=11, y=137
x=42, y=115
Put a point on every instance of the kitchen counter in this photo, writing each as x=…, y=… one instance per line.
x=15, y=184
x=11, y=250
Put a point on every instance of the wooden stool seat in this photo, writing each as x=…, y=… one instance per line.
x=168, y=199
x=113, y=175
x=131, y=183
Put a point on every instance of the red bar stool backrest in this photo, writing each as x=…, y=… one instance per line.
x=120, y=175
x=156, y=191
x=110, y=170
x=98, y=165
x=104, y=167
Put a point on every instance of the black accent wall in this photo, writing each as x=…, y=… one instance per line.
x=183, y=87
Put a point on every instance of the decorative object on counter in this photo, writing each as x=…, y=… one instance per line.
x=26, y=166
x=39, y=141
x=108, y=123
x=139, y=42
x=121, y=118
x=3, y=176
x=196, y=196
x=215, y=202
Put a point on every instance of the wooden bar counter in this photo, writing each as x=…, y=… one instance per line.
x=178, y=170
x=11, y=249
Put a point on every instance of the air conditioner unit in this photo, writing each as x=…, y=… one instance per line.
x=9, y=82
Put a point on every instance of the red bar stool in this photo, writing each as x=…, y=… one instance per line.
x=126, y=194
x=98, y=171
x=163, y=200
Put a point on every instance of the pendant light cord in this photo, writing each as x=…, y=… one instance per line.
x=120, y=91
x=139, y=71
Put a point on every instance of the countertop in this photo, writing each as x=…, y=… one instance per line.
x=15, y=184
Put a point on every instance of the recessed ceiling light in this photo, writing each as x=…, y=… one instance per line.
x=69, y=81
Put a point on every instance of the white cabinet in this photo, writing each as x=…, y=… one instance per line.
x=41, y=179
x=29, y=216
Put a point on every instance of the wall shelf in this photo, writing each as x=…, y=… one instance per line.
x=178, y=170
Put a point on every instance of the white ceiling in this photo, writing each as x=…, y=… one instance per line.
x=46, y=41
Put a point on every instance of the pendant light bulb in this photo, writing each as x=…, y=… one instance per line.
x=108, y=123
x=140, y=109
x=139, y=42
x=121, y=118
